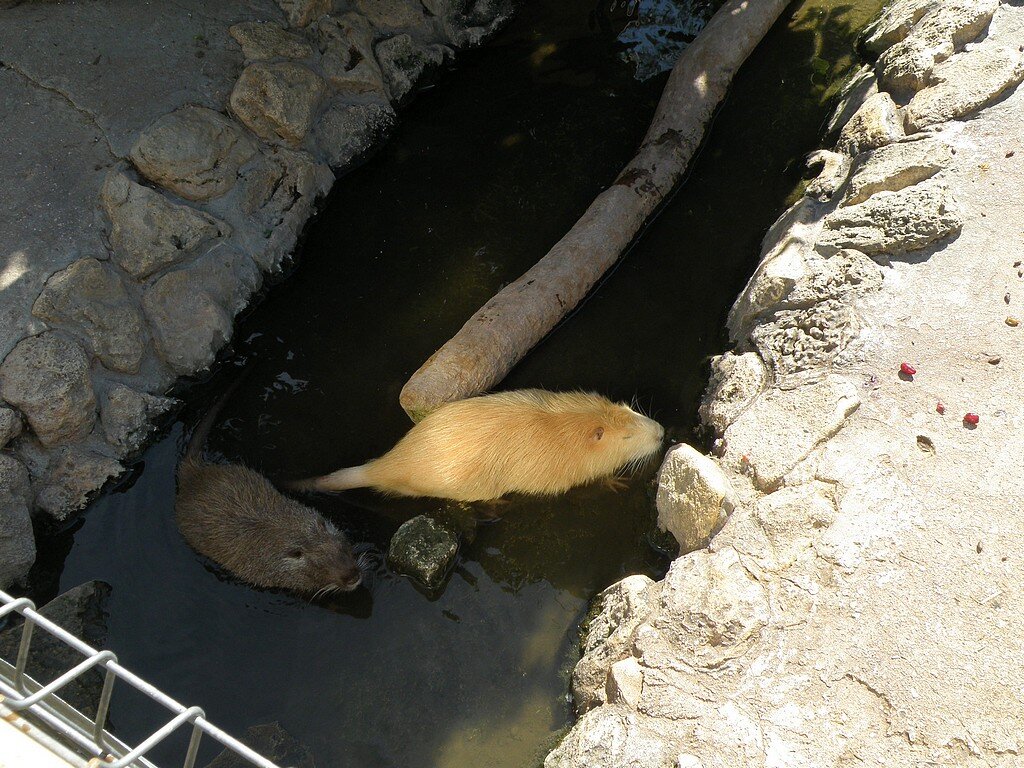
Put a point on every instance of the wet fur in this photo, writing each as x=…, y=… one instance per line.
x=234, y=516
x=528, y=441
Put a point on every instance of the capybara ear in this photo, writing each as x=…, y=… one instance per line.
x=598, y=433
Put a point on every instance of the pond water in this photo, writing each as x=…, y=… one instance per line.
x=488, y=169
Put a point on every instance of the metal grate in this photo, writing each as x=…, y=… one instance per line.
x=24, y=696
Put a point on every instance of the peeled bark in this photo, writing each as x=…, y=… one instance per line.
x=487, y=347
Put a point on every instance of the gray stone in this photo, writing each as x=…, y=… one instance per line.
x=894, y=23
x=346, y=54
x=10, y=425
x=266, y=40
x=782, y=267
x=891, y=168
x=301, y=12
x=274, y=743
x=943, y=30
x=47, y=378
x=345, y=132
x=894, y=222
x=608, y=638
x=278, y=101
x=73, y=475
x=127, y=414
x=735, y=381
x=611, y=737
x=694, y=497
x=964, y=84
x=89, y=299
x=150, y=233
x=404, y=61
x=17, y=544
x=875, y=124
x=392, y=15
x=83, y=612
x=188, y=324
x=425, y=550
x=782, y=426
x=193, y=151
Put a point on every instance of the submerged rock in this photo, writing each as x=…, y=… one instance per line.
x=274, y=743
x=47, y=378
x=82, y=611
x=425, y=550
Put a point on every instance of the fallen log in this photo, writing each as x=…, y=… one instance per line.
x=492, y=341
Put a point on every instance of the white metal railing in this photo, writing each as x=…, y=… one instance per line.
x=25, y=696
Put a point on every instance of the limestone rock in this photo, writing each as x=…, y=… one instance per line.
x=894, y=23
x=127, y=414
x=694, y=497
x=151, y=233
x=735, y=381
x=228, y=276
x=782, y=426
x=346, y=54
x=83, y=612
x=72, y=476
x=392, y=15
x=404, y=61
x=47, y=378
x=801, y=339
x=90, y=299
x=17, y=544
x=943, y=30
x=792, y=519
x=278, y=101
x=425, y=550
x=894, y=222
x=964, y=84
x=858, y=89
x=625, y=682
x=10, y=425
x=620, y=610
x=712, y=609
x=274, y=743
x=893, y=167
x=346, y=132
x=193, y=151
x=188, y=324
x=779, y=272
x=611, y=737
x=834, y=168
x=301, y=12
x=875, y=124
x=266, y=40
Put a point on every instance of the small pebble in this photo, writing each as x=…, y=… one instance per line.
x=995, y=360
x=1013, y=322
x=971, y=418
x=1016, y=263
x=978, y=548
x=1006, y=298
x=940, y=407
x=907, y=370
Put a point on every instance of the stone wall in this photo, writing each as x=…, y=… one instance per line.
x=859, y=603
x=160, y=160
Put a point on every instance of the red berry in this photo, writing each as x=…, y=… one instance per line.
x=971, y=418
x=908, y=369
x=940, y=407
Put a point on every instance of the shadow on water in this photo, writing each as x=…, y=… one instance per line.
x=487, y=171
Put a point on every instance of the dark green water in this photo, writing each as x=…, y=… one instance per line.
x=487, y=171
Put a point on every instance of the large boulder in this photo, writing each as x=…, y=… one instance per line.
x=150, y=233
x=72, y=476
x=278, y=102
x=89, y=298
x=47, y=378
x=193, y=151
